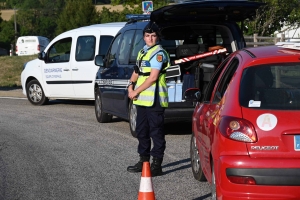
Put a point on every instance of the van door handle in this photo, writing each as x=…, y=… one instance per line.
x=75, y=69
x=66, y=69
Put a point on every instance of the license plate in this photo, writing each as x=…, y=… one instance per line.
x=297, y=142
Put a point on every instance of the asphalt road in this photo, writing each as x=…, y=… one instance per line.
x=60, y=151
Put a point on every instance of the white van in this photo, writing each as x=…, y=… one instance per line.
x=66, y=68
x=30, y=45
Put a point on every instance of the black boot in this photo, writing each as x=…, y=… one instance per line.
x=156, y=169
x=138, y=166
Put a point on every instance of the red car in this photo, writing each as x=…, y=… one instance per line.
x=246, y=126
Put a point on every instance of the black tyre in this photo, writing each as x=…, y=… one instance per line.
x=101, y=116
x=35, y=93
x=213, y=183
x=195, y=160
x=132, y=118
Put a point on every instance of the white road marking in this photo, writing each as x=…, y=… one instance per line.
x=12, y=98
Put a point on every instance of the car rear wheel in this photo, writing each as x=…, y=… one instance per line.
x=132, y=118
x=195, y=160
x=35, y=93
x=101, y=116
x=213, y=183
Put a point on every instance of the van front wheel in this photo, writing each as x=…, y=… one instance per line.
x=35, y=93
x=101, y=116
x=132, y=118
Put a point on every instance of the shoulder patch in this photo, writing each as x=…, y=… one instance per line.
x=159, y=57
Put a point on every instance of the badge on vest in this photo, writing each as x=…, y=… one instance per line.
x=159, y=57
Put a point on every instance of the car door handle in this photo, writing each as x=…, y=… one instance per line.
x=74, y=69
x=66, y=69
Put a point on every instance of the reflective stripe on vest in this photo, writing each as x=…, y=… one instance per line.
x=146, y=97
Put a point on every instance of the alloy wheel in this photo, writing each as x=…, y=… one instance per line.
x=195, y=156
x=35, y=93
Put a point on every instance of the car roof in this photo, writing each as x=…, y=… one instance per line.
x=97, y=26
x=112, y=24
x=139, y=24
x=269, y=54
x=205, y=11
x=106, y=27
x=31, y=36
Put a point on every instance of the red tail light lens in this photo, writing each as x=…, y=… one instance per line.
x=16, y=48
x=248, y=180
x=38, y=47
x=237, y=129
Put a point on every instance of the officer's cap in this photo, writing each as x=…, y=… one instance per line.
x=151, y=27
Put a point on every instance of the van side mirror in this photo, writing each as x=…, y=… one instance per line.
x=41, y=55
x=99, y=60
x=192, y=94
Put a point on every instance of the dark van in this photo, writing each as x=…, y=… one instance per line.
x=187, y=29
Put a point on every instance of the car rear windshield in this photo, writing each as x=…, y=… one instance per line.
x=275, y=86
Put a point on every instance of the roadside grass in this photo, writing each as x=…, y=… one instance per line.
x=11, y=68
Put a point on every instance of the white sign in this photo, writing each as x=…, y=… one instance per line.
x=266, y=122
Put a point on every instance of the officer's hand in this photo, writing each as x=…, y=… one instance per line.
x=132, y=94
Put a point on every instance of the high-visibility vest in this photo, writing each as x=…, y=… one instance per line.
x=146, y=97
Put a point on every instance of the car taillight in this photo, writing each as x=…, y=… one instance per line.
x=16, y=48
x=38, y=47
x=237, y=129
x=242, y=180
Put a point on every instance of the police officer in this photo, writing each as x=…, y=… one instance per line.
x=148, y=90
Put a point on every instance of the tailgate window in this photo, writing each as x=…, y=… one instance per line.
x=275, y=86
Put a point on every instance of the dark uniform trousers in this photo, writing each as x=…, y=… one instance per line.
x=150, y=124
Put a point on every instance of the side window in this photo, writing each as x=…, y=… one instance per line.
x=125, y=47
x=105, y=41
x=111, y=56
x=138, y=44
x=85, y=48
x=225, y=80
x=212, y=83
x=60, y=51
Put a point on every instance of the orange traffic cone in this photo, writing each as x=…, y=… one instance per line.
x=146, y=188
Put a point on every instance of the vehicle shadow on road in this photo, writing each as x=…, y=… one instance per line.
x=72, y=102
x=10, y=88
x=184, y=164
x=178, y=128
x=204, y=197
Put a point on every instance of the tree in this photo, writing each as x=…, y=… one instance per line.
x=273, y=16
x=38, y=17
x=2, y=4
x=75, y=14
x=14, y=3
x=7, y=34
x=156, y=3
x=106, y=15
x=102, y=2
x=1, y=18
